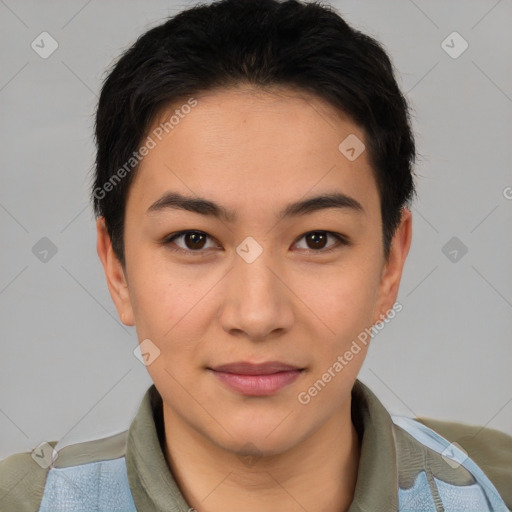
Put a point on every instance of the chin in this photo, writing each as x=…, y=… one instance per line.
x=259, y=446
x=257, y=440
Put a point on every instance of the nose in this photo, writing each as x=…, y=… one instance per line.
x=257, y=302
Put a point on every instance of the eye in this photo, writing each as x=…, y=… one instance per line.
x=193, y=241
x=318, y=240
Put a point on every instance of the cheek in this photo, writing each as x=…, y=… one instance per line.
x=342, y=296
x=355, y=298
x=171, y=305
x=156, y=295
x=345, y=304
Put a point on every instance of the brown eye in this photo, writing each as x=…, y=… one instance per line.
x=191, y=241
x=316, y=241
x=194, y=240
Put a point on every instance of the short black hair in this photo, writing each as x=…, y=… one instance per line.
x=266, y=44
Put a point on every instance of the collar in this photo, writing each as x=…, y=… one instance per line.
x=154, y=488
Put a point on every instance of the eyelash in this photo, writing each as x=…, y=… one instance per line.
x=341, y=241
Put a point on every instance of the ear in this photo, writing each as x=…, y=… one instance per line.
x=114, y=273
x=393, y=266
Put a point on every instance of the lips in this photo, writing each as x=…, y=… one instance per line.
x=246, y=368
x=256, y=379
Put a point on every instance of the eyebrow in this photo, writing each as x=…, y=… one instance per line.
x=202, y=206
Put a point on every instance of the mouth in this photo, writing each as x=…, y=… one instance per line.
x=256, y=379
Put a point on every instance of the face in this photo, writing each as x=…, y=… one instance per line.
x=251, y=278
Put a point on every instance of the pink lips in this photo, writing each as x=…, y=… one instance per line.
x=256, y=379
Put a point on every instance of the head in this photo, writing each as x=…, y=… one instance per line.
x=276, y=137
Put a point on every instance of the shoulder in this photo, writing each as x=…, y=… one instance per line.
x=32, y=481
x=22, y=481
x=490, y=449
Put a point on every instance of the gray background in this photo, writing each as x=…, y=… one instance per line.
x=67, y=369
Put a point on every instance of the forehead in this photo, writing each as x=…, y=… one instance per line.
x=273, y=115
x=253, y=146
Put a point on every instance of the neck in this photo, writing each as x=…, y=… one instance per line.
x=318, y=475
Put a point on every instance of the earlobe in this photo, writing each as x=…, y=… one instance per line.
x=393, y=267
x=114, y=274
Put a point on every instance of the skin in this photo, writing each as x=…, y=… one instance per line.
x=254, y=152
